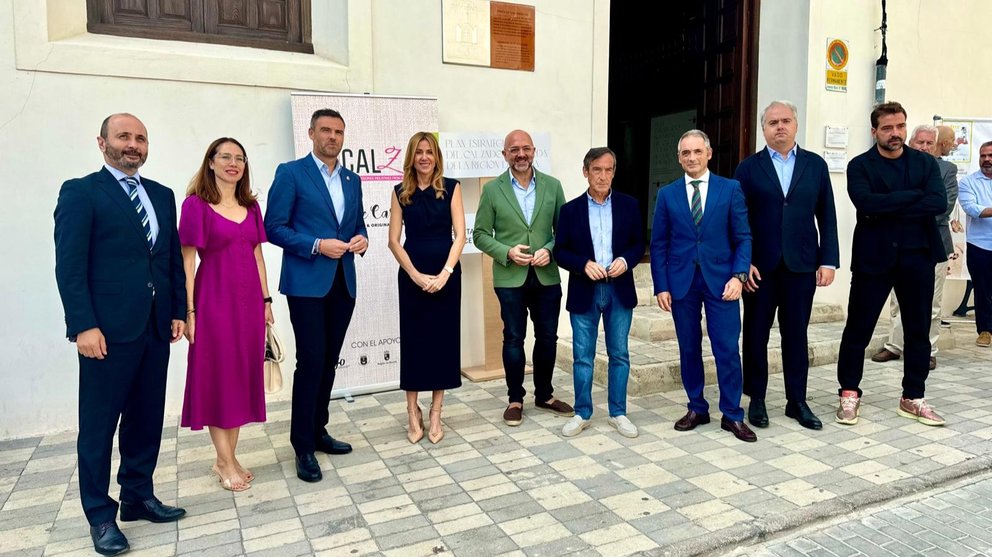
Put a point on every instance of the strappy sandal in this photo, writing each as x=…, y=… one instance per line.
x=435, y=437
x=413, y=435
x=228, y=484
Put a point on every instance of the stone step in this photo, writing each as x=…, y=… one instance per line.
x=651, y=324
x=654, y=365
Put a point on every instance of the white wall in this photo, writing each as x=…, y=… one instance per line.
x=189, y=95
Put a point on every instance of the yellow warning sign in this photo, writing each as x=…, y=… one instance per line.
x=838, y=55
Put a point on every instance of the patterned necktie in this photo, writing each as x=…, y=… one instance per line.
x=697, y=204
x=132, y=192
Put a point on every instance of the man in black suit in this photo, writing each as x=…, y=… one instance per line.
x=789, y=198
x=120, y=275
x=897, y=193
x=599, y=241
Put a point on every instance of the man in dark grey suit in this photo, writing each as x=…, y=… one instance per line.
x=928, y=139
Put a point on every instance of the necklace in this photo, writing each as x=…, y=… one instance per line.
x=226, y=206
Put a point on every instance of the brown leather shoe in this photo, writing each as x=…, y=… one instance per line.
x=739, y=429
x=556, y=407
x=885, y=355
x=513, y=415
x=933, y=363
x=691, y=420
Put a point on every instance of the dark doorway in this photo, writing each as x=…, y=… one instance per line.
x=704, y=56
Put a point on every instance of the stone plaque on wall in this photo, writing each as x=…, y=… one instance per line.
x=491, y=34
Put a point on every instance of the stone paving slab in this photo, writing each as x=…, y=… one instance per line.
x=489, y=489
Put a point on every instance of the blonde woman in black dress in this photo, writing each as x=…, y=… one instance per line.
x=430, y=207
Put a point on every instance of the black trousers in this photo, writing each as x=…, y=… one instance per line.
x=319, y=326
x=544, y=304
x=128, y=386
x=912, y=279
x=791, y=294
x=980, y=269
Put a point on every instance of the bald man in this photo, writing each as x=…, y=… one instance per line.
x=939, y=142
x=516, y=225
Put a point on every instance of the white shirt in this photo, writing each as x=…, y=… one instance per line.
x=704, y=182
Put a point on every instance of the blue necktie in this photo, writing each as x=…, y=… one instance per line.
x=697, y=204
x=132, y=192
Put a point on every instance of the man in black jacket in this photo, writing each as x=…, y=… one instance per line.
x=897, y=193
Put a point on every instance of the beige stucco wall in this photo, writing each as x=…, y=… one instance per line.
x=934, y=52
x=57, y=83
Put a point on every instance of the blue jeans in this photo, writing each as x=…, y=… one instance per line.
x=585, y=328
x=544, y=304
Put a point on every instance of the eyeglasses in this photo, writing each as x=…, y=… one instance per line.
x=226, y=158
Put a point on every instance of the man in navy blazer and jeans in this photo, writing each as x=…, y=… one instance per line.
x=599, y=242
x=316, y=215
x=700, y=255
x=790, y=206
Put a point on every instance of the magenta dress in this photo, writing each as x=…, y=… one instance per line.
x=224, y=378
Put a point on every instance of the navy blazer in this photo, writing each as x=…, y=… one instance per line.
x=720, y=245
x=300, y=211
x=107, y=276
x=573, y=249
x=916, y=201
x=782, y=226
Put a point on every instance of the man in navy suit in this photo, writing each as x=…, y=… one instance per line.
x=700, y=255
x=120, y=275
x=316, y=216
x=790, y=206
x=599, y=242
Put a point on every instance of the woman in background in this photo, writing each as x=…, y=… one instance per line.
x=228, y=303
x=430, y=207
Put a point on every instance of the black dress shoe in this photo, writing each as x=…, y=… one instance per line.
x=739, y=429
x=330, y=445
x=756, y=413
x=151, y=510
x=691, y=420
x=108, y=539
x=800, y=412
x=307, y=468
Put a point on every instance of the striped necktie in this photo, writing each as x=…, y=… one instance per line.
x=697, y=204
x=132, y=192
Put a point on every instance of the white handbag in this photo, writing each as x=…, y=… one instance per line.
x=274, y=355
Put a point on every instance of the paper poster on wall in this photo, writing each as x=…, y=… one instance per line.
x=378, y=129
x=961, y=155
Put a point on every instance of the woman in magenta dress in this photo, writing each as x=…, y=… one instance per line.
x=228, y=303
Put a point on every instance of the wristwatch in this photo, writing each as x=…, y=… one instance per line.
x=741, y=277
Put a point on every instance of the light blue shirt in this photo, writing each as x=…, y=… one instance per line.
x=601, y=228
x=525, y=197
x=784, y=168
x=142, y=196
x=332, y=181
x=974, y=195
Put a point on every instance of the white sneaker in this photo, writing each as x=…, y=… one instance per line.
x=624, y=426
x=574, y=426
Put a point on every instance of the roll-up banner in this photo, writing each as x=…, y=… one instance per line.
x=377, y=129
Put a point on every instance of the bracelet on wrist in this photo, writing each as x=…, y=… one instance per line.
x=267, y=299
x=190, y=311
x=449, y=269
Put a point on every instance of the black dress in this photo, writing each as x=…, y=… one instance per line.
x=430, y=324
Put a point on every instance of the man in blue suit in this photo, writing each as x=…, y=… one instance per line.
x=120, y=276
x=790, y=207
x=316, y=215
x=700, y=255
x=599, y=241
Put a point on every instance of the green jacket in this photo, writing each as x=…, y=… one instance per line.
x=500, y=225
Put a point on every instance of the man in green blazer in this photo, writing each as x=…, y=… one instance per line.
x=515, y=225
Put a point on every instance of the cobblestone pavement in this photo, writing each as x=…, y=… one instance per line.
x=489, y=489
x=952, y=521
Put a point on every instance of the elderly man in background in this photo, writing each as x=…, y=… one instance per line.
x=976, y=201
